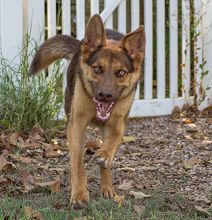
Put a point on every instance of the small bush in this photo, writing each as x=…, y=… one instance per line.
x=26, y=101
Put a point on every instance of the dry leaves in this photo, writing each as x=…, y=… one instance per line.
x=139, y=209
x=28, y=182
x=202, y=211
x=190, y=163
x=126, y=186
x=13, y=139
x=32, y=214
x=139, y=195
x=4, y=164
x=127, y=139
x=118, y=199
x=54, y=186
x=127, y=169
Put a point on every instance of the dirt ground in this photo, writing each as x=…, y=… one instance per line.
x=172, y=154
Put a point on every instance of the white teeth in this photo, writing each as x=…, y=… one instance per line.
x=103, y=111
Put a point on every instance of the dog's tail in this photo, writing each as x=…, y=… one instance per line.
x=60, y=46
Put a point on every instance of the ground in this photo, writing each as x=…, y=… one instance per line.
x=163, y=170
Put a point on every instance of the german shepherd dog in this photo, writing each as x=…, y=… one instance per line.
x=102, y=76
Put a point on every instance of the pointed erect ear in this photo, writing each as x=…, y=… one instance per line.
x=134, y=43
x=95, y=36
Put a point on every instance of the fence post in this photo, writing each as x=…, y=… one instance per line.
x=11, y=29
x=207, y=53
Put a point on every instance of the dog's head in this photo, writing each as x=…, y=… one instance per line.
x=111, y=69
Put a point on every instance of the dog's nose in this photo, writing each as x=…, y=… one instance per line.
x=105, y=96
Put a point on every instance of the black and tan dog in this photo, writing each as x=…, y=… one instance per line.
x=101, y=81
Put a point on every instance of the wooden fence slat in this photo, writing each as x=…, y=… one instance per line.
x=66, y=17
x=186, y=48
x=35, y=19
x=105, y=14
x=148, y=76
x=94, y=7
x=51, y=11
x=109, y=21
x=135, y=22
x=11, y=29
x=161, y=49
x=80, y=19
x=135, y=15
x=122, y=17
x=173, y=48
x=198, y=46
x=0, y=30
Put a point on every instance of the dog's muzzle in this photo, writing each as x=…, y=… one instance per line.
x=103, y=109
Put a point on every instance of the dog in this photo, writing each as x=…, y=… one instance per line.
x=102, y=77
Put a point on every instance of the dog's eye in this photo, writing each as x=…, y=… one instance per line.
x=120, y=73
x=97, y=69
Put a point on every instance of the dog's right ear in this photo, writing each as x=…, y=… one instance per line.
x=95, y=36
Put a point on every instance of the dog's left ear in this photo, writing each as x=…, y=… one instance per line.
x=95, y=36
x=134, y=43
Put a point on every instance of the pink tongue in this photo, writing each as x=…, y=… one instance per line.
x=103, y=109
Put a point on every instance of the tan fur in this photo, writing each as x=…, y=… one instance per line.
x=112, y=56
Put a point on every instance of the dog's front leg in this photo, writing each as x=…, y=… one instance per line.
x=113, y=134
x=76, y=136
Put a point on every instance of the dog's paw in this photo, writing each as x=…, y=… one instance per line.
x=80, y=199
x=107, y=192
x=103, y=158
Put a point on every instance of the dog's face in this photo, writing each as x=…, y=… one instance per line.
x=111, y=68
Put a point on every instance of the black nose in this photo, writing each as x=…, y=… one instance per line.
x=105, y=96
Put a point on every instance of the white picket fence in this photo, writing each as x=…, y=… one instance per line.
x=28, y=16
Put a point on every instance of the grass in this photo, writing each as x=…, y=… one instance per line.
x=159, y=206
x=26, y=101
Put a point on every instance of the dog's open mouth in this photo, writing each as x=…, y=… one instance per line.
x=103, y=109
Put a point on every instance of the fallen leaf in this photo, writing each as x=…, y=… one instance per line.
x=28, y=182
x=146, y=168
x=54, y=186
x=93, y=145
x=32, y=214
x=3, y=180
x=36, y=129
x=202, y=211
x=127, y=139
x=190, y=127
x=190, y=163
x=139, y=209
x=4, y=164
x=126, y=186
x=49, y=151
x=128, y=169
x=21, y=142
x=176, y=111
x=25, y=159
x=139, y=195
x=13, y=139
x=203, y=198
x=118, y=199
x=57, y=169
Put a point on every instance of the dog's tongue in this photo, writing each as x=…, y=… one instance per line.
x=103, y=109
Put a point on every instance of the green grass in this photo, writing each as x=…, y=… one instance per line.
x=26, y=101
x=159, y=206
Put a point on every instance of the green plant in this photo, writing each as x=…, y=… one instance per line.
x=26, y=101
